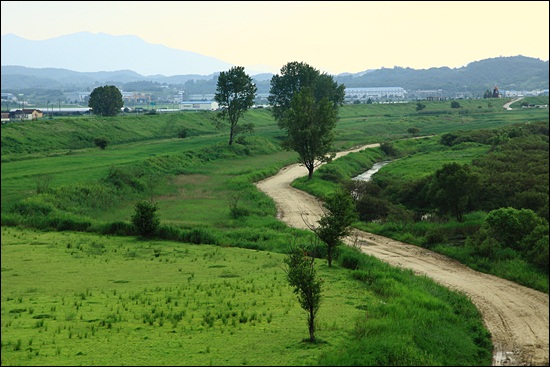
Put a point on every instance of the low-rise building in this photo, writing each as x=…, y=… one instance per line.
x=26, y=114
x=199, y=105
x=363, y=94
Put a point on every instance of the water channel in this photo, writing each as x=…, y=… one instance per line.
x=365, y=176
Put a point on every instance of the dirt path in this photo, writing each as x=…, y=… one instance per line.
x=507, y=105
x=516, y=316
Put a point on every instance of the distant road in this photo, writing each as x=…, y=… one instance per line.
x=507, y=105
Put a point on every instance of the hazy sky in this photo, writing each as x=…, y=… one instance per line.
x=332, y=36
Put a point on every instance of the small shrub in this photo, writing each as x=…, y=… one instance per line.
x=182, y=134
x=144, y=218
x=34, y=205
x=118, y=229
x=101, y=142
x=350, y=258
x=388, y=149
x=413, y=131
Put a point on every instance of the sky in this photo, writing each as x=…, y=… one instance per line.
x=332, y=36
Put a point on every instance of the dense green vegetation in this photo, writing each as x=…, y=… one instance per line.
x=486, y=170
x=54, y=178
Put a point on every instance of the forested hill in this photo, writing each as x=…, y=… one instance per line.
x=508, y=73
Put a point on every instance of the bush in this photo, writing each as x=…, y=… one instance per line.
x=351, y=258
x=34, y=205
x=118, y=229
x=200, y=236
x=101, y=142
x=389, y=149
x=332, y=173
x=145, y=219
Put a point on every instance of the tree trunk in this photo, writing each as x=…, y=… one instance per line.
x=310, y=173
x=311, y=324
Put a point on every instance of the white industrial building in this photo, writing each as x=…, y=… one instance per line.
x=374, y=93
x=199, y=105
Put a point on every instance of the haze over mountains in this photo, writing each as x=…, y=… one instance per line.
x=83, y=60
x=89, y=52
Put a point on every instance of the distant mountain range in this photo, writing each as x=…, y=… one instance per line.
x=78, y=57
x=91, y=52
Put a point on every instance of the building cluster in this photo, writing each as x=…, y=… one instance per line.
x=374, y=94
x=142, y=102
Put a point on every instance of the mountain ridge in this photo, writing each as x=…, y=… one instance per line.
x=513, y=72
x=510, y=73
x=85, y=52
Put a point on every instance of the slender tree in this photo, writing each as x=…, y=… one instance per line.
x=305, y=104
x=106, y=101
x=302, y=277
x=335, y=224
x=235, y=93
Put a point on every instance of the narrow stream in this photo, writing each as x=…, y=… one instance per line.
x=365, y=176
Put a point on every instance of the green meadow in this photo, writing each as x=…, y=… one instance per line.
x=80, y=287
x=84, y=299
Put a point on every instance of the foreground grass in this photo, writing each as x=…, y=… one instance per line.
x=74, y=298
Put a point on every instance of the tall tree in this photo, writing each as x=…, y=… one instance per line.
x=305, y=104
x=301, y=275
x=335, y=224
x=235, y=93
x=106, y=101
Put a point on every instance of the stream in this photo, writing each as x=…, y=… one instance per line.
x=365, y=176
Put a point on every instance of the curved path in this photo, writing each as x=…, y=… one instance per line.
x=507, y=105
x=516, y=316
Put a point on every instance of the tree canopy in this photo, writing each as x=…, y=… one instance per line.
x=453, y=189
x=106, y=101
x=305, y=104
x=235, y=93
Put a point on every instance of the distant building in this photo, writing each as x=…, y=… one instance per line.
x=5, y=117
x=363, y=94
x=77, y=97
x=8, y=97
x=26, y=114
x=199, y=105
x=201, y=97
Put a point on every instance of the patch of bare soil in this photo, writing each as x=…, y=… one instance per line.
x=516, y=316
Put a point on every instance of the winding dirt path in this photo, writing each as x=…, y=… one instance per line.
x=507, y=105
x=516, y=316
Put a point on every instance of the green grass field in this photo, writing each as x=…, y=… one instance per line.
x=83, y=298
x=74, y=298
